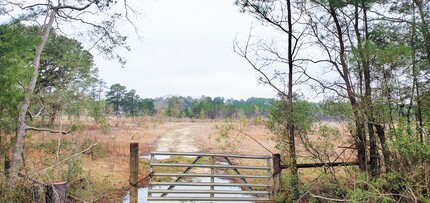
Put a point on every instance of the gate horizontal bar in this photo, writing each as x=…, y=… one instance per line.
x=209, y=175
x=210, y=166
x=241, y=192
x=252, y=199
x=330, y=164
x=207, y=184
x=209, y=154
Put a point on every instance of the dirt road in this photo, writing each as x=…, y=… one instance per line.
x=179, y=140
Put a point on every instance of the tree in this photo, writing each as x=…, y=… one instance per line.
x=115, y=96
x=131, y=101
x=218, y=103
x=282, y=16
x=208, y=108
x=96, y=88
x=104, y=34
x=65, y=67
x=147, y=106
x=15, y=52
x=173, y=107
x=337, y=59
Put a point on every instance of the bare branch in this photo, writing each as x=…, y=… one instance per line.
x=20, y=83
x=74, y=7
x=47, y=130
x=244, y=53
x=277, y=24
x=328, y=198
x=32, y=6
x=39, y=112
x=60, y=162
x=240, y=131
x=325, y=86
x=127, y=7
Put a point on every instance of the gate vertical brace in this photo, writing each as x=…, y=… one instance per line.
x=276, y=173
x=237, y=172
x=178, y=178
x=134, y=171
x=212, y=172
x=151, y=171
x=269, y=180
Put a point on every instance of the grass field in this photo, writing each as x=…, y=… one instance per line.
x=101, y=174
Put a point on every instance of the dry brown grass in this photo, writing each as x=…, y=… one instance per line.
x=111, y=170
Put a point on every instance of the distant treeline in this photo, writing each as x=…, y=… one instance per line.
x=119, y=101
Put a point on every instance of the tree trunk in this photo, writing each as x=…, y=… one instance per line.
x=360, y=142
x=21, y=124
x=385, y=152
x=373, y=151
x=359, y=125
x=290, y=122
x=426, y=35
x=52, y=117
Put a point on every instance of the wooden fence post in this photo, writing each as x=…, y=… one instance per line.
x=276, y=173
x=134, y=171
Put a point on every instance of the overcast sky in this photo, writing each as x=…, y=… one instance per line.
x=186, y=49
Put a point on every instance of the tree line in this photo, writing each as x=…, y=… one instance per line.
x=128, y=103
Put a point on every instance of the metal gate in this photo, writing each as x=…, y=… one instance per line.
x=210, y=177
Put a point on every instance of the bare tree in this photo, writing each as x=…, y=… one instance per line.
x=286, y=18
